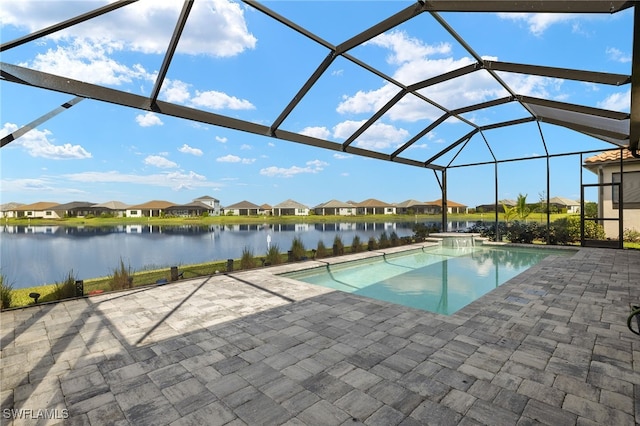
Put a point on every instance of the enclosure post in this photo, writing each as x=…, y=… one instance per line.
x=495, y=168
x=620, y=201
x=548, y=206
x=444, y=201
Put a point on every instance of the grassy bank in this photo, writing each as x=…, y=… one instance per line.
x=51, y=292
x=234, y=220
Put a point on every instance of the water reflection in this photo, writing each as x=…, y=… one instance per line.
x=39, y=254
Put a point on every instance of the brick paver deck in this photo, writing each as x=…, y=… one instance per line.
x=550, y=346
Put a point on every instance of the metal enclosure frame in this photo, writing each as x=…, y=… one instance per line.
x=619, y=129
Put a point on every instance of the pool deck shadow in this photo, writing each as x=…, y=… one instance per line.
x=550, y=346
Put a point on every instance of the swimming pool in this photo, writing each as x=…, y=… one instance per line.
x=438, y=279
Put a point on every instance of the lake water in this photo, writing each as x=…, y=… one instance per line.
x=36, y=255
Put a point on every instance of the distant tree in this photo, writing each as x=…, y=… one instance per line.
x=591, y=209
x=542, y=202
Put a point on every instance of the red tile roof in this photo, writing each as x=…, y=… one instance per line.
x=608, y=156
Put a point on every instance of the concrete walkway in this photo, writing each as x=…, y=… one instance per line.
x=551, y=346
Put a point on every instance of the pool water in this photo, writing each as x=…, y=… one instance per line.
x=439, y=279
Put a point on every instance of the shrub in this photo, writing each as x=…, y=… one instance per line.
x=631, y=236
x=298, y=251
x=67, y=288
x=394, y=240
x=489, y=231
x=338, y=246
x=356, y=245
x=273, y=255
x=321, y=250
x=567, y=230
x=372, y=244
x=420, y=231
x=383, y=241
x=122, y=277
x=592, y=230
x=6, y=293
x=525, y=233
x=247, y=261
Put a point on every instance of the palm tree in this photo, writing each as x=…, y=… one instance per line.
x=509, y=213
x=522, y=209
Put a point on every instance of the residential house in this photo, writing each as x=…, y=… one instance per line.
x=8, y=210
x=373, y=206
x=213, y=203
x=74, y=209
x=290, y=208
x=491, y=207
x=564, y=204
x=42, y=210
x=415, y=207
x=606, y=166
x=195, y=208
x=452, y=206
x=243, y=208
x=110, y=208
x=266, y=210
x=335, y=207
x=153, y=208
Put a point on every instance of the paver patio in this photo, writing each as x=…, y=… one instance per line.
x=550, y=346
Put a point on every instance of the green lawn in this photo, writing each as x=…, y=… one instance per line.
x=233, y=220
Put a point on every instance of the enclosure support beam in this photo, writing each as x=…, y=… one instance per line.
x=444, y=201
x=634, y=124
x=35, y=123
x=495, y=174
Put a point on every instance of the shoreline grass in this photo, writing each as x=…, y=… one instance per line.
x=236, y=220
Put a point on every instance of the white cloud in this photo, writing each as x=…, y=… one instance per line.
x=175, y=91
x=313, y=166
x=221, y=139
x=415, y=61
x=186, y=149
x=215, y=27
x=316, y=132
x=339, y=156
x=407, y=49
x=617, y=55
x=538, y=23
x=245, y=147
x=89, y=61
x=179, y=92
x=159, y=161
x=149, y=119
x=378, y=136
x=620, y=101
x=38, y=143
x=175, y=180
x=217, y=100
x=235, y=159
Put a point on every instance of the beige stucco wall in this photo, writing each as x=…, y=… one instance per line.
x=631, y=217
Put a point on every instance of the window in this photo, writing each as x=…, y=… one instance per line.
x=631, y=190
x=47, y=213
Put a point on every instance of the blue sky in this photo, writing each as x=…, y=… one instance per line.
x=236, y=61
